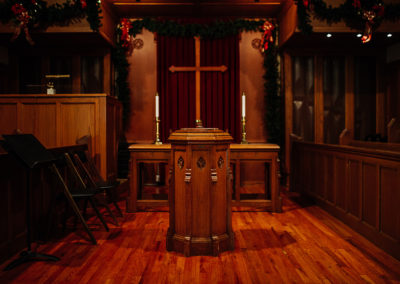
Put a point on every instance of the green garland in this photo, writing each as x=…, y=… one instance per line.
x=39, y=15
x=122, y=90
x=351, y=12
x=272, y=99
x=217, y=29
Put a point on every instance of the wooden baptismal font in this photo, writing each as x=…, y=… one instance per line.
x=200, y=192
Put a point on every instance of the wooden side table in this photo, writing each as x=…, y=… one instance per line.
x=144, y=153
x=267, y=153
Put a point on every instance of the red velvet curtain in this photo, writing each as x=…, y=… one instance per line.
x=220, y=94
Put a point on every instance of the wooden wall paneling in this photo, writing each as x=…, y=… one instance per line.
x=60, y=120
x=330, y=179
x=365, y=189
x=320, y=174
x=340, y=185
x=354, y=177
x=111, y=147
x=77, y=120
x=38, y=119
x=318, y=100
x=288, y=88
x=8, y=118
x=390, y=200
x=100, y=122
x=306, y=174
x=370, y=200
x=349, y=95
x=299, y=171
x=380, y=97
x=313, y=172
x=112, y=136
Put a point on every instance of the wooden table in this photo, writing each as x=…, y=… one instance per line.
x=151, y=153
x=144, y=153
x=267, y=153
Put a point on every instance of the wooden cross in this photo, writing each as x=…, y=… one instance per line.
x=197, y=68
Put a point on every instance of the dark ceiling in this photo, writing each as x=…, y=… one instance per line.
x=199, y=8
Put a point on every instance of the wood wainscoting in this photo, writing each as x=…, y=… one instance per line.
x=60, y=120
x=360, y=186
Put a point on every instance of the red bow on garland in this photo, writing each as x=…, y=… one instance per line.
x=83, y=4
x=267, y=36
x=125, y=26
x=377, y=11
x=23, y=17
x=369, y=15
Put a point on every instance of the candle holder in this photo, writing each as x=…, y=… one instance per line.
x=158, y=141
x=244, y=141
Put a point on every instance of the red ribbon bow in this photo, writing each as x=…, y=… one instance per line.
x=267, y=36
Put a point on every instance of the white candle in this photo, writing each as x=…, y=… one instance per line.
x=243, y=104
x=157, y=106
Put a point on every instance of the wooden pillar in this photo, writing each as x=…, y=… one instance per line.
x=287, y=69
x=349, y=96
x=76, y=74
x=380, y=97
x=107, y=72
x=318, y=100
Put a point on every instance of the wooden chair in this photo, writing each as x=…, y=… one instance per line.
x=75, y=190
x=95, y=180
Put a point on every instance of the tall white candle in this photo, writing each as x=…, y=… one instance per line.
x=157, y=106
x=243, y=104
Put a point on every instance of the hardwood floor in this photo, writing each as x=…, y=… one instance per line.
x=303, y=244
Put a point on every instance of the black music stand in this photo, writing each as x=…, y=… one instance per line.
x=31, y=154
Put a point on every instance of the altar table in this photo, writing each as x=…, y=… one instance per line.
x=152, y=153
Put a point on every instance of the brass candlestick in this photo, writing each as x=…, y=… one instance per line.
x=244, y=141
x=158, y=141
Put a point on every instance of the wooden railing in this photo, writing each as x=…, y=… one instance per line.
x=358, y=185
x=13, y=201
x=346, y=139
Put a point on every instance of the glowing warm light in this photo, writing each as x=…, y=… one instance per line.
x=328, y=35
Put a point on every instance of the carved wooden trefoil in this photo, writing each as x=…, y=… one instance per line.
x=220, y=162
x=201, y=163
x=181, y=162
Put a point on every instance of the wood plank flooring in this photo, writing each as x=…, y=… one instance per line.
x=304, y=244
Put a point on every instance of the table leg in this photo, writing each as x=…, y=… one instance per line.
x=132, y=198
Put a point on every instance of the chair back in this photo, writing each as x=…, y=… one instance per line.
x=86, y=175
x=92, y=169
x=75, y=181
